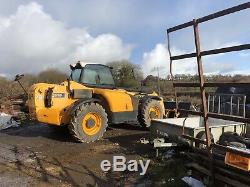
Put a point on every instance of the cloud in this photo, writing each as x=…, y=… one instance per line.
x=104, y=48
x=31, y=41
x=159, y=57
x=244, y=54
x=218, y=68
x=239, y=72
x=2, y=75
x=222, y=32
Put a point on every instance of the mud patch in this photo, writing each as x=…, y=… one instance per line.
x=45, y=156
x=10, y=180
x=13, y=154
x=113, y=147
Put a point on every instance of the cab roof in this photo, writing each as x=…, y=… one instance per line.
x=80, y=65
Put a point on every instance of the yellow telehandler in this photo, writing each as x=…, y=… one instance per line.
x=89, y=100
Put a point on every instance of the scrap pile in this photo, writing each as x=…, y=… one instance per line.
x=15, y=107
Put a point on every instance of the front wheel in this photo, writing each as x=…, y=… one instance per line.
x=89, y=122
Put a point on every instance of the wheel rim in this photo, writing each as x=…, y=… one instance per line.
x=154, y=113
x=91, y=123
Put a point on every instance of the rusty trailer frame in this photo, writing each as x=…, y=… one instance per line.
x=202, y=84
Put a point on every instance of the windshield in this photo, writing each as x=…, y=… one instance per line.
x=93, y=74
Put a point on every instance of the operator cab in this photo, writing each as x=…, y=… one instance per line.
x=96, y=75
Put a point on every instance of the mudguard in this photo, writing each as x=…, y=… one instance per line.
x=80, y=102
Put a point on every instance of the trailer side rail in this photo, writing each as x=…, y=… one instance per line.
x=201, y=84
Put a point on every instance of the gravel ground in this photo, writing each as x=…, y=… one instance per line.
x=42, y=155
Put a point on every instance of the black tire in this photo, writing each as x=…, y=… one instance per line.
x=76, y=127
x=144, y=117
x=238, y=145
x=234, y=140
x=202, y=135
x=228, y=137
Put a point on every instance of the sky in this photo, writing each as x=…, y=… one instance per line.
x=44, y=34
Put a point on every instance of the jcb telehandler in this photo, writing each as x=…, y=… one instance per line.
x=89, y=100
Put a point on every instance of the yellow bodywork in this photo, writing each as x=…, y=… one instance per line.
x=119, y=100
x=57, y=114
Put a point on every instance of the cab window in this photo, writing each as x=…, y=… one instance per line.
x=75, y=75
x=97, y=75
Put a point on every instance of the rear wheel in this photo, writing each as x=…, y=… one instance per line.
x=202, y=136
x=228, y=137
x=150, y=109
x=89, y=122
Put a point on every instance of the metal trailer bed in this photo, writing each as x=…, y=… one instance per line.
x=194, y=127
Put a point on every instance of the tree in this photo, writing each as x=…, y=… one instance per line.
x=51, y=76
x=3, y=87
x=126, y=74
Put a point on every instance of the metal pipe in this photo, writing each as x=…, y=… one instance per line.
x=171, y=72
x=211, y=16
x=218, y=105
x=212, y=84
x=22, y=88
x=231, y=105
x=238, y=106
x=213, y=51
x=201, y=79
x=244, y=106
x=230, y=118
x=208, y=103
x=213, y=103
